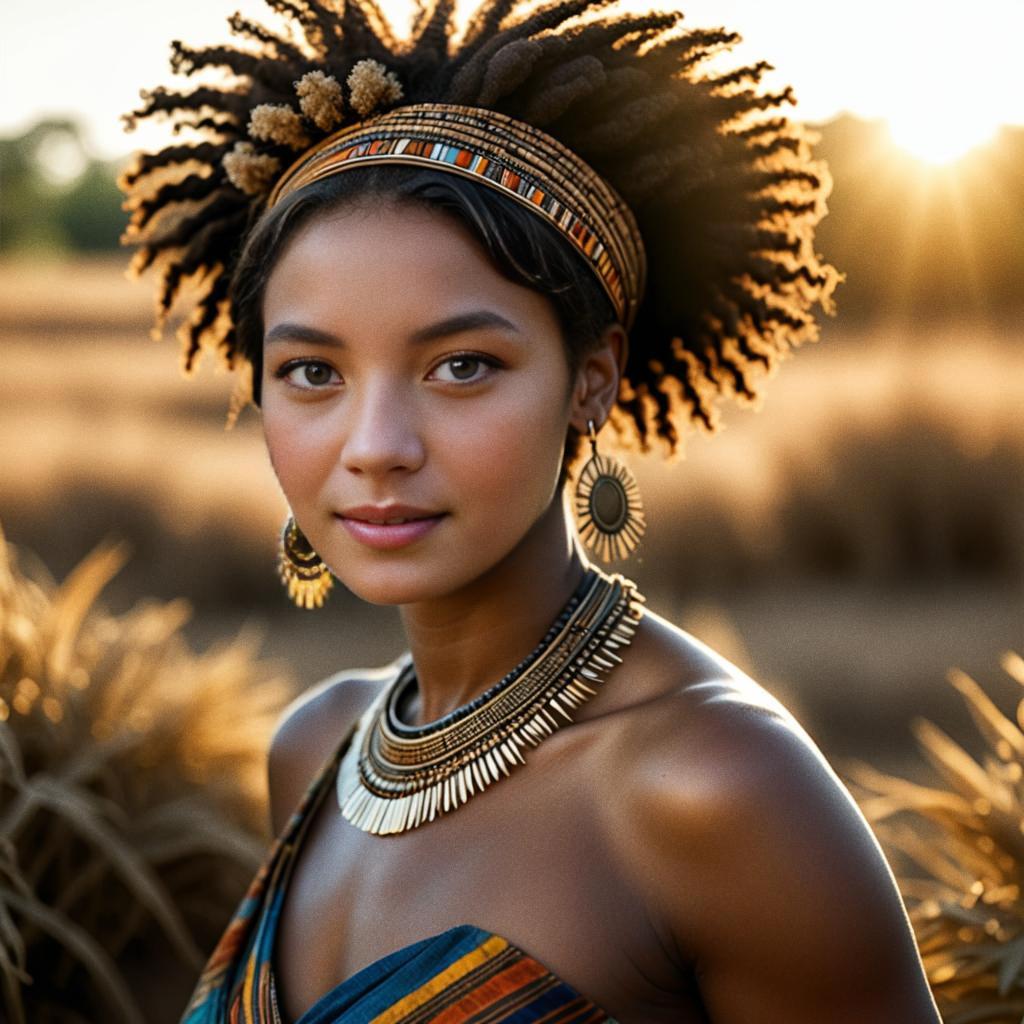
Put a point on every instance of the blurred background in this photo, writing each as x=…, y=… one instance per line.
x=847, y=543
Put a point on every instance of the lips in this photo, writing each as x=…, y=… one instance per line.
x=386, y=527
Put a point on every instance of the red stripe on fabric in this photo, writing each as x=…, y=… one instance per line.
x=513, y=1001
x=500, y=986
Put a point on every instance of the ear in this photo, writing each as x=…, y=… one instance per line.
x=597, y=379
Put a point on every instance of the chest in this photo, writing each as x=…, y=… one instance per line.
x=526, y=860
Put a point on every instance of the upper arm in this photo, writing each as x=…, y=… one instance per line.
x=797, y=918
x=309, y=730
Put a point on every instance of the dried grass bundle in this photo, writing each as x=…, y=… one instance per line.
x=968, y=839
x=132, y=794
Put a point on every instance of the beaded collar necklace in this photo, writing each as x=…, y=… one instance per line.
x=395, y=776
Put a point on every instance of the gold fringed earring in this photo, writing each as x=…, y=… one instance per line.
x=609, y=513
x=307, y=578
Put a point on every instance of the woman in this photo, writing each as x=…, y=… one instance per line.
x=445, y=268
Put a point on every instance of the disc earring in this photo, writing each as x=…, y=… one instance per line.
x=307, y=578
x=609, y=513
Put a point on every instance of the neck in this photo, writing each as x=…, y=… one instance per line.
x=464, y=642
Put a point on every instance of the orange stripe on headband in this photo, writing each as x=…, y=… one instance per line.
x=513, y=158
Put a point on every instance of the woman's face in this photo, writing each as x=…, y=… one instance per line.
x=401, y=369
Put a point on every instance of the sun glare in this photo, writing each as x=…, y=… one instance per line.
x=939, y=140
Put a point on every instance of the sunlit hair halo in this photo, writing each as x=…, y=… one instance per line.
x=723, y=187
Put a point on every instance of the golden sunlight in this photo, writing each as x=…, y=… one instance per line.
x=943, y=94
x=940, y=137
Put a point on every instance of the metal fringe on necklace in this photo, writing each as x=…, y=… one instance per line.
x=405, y=776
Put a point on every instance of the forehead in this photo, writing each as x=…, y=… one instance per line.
x=391, y=260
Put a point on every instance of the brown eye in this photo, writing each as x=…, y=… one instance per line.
x=316, y=373
x=463, y=367
x=307, y=374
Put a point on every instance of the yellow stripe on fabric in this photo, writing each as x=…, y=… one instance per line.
x=451, y=974
x=250, y=972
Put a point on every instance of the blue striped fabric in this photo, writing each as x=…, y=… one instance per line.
x=465, y=975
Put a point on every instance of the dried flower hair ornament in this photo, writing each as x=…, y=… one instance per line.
x=725, y=190
x=320, y=99
x=371, y=88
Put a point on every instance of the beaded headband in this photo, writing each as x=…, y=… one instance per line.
x=509, y=156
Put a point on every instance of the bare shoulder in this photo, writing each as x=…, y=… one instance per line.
x=706, y=713
x=311, y=727
x=698, y=739
x=752, y=857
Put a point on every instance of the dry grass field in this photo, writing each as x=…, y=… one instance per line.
x=846, y=543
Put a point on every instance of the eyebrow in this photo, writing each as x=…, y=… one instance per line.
x=442, y=329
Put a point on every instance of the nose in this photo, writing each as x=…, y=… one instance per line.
x=381, y=431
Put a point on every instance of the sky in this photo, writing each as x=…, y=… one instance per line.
x=944, y=75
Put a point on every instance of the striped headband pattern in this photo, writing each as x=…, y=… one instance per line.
x=505, y=154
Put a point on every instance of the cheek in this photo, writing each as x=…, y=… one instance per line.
x=507, y=453
x=302, y=451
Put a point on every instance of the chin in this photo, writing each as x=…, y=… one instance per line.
x=382, y=593
x=397, y=584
